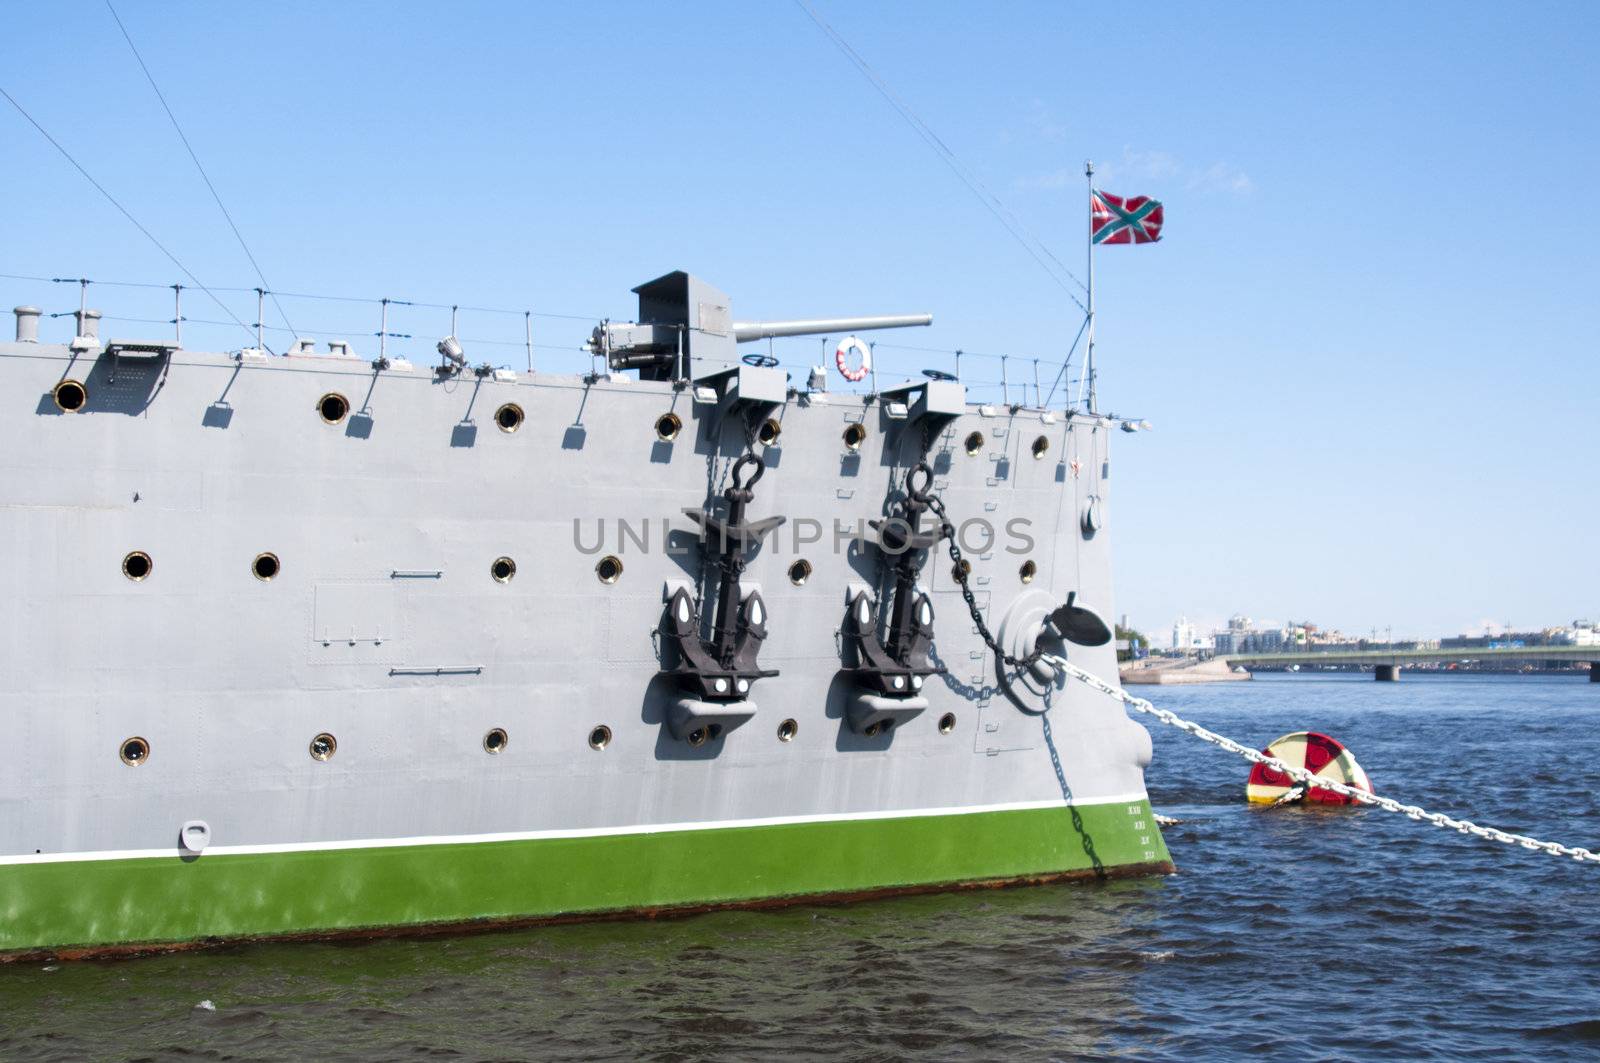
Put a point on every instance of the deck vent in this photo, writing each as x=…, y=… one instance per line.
x=88, y=336
x=27, y=324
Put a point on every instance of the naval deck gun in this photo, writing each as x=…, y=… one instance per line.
x=686, y=330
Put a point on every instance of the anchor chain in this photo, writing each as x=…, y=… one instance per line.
x=1388, y=804
x=961, y=574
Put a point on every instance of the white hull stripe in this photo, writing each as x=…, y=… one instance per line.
x=541, y=835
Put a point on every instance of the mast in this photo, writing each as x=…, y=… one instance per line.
x=1088, y=361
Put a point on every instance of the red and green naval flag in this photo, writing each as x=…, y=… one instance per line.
x=1124, y=220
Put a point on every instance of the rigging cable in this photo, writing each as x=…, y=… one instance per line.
x=124, y=210
x=1002, y=214
x=196, y=159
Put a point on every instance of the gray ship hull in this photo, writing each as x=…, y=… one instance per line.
x=315, y=751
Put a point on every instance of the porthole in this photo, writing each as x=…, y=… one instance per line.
x=697, y=737
x=947, y=723
x=600, y=737
x=799, y=572
x=1041, y=447
x=961, y=570
x=787, y=730
x=668, y=425
x=509, y=417
x=324, y=746
x=1028, y=571
x=502, y=569
x=333, y=407
x=265, y=567
x=769, y=431
x=70, y=396
x=609, y=569
x=134, y=751
x=854, y=436
x=974, y=443
x=137, y=565
x=496, y=740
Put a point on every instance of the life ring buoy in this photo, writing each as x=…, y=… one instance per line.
x=841, y=357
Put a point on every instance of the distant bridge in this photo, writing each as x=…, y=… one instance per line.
x=1386, y=663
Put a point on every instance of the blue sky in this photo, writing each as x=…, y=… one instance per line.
x=1367, y=341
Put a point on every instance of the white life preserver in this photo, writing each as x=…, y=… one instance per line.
x=841, y=358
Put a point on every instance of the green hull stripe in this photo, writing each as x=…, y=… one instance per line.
x=122, y=902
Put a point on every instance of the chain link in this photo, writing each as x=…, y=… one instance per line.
x=1388, y=804
x=948, y=531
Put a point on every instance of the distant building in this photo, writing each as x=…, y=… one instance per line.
x=1186, y=638
x=1508, y=640
x=1267, y=640
x=1182, y=634
x=1243, y=637
x=1581, y=633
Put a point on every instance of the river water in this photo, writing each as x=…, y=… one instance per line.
x=1334, y=934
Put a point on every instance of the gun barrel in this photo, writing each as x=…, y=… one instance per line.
x=745, y=331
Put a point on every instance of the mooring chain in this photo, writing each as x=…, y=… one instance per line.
x=1388, y=804
x=948, y=531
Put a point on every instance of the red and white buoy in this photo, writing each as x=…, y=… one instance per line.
x=854, y=359
x=1316, y=753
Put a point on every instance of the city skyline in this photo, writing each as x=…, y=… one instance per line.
x=1203, y=631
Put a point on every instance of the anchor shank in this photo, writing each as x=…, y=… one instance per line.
x=726, y=635
x=906, y=569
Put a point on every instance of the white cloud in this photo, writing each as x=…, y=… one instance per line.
x=1037, y=123
x=1044, y=124
x=1061, y=178
x=1164, y=168
x=1222, y=177
x=1161, y=170
x=1150, y=165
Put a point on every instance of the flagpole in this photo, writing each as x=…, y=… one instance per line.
x=1088, y=362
